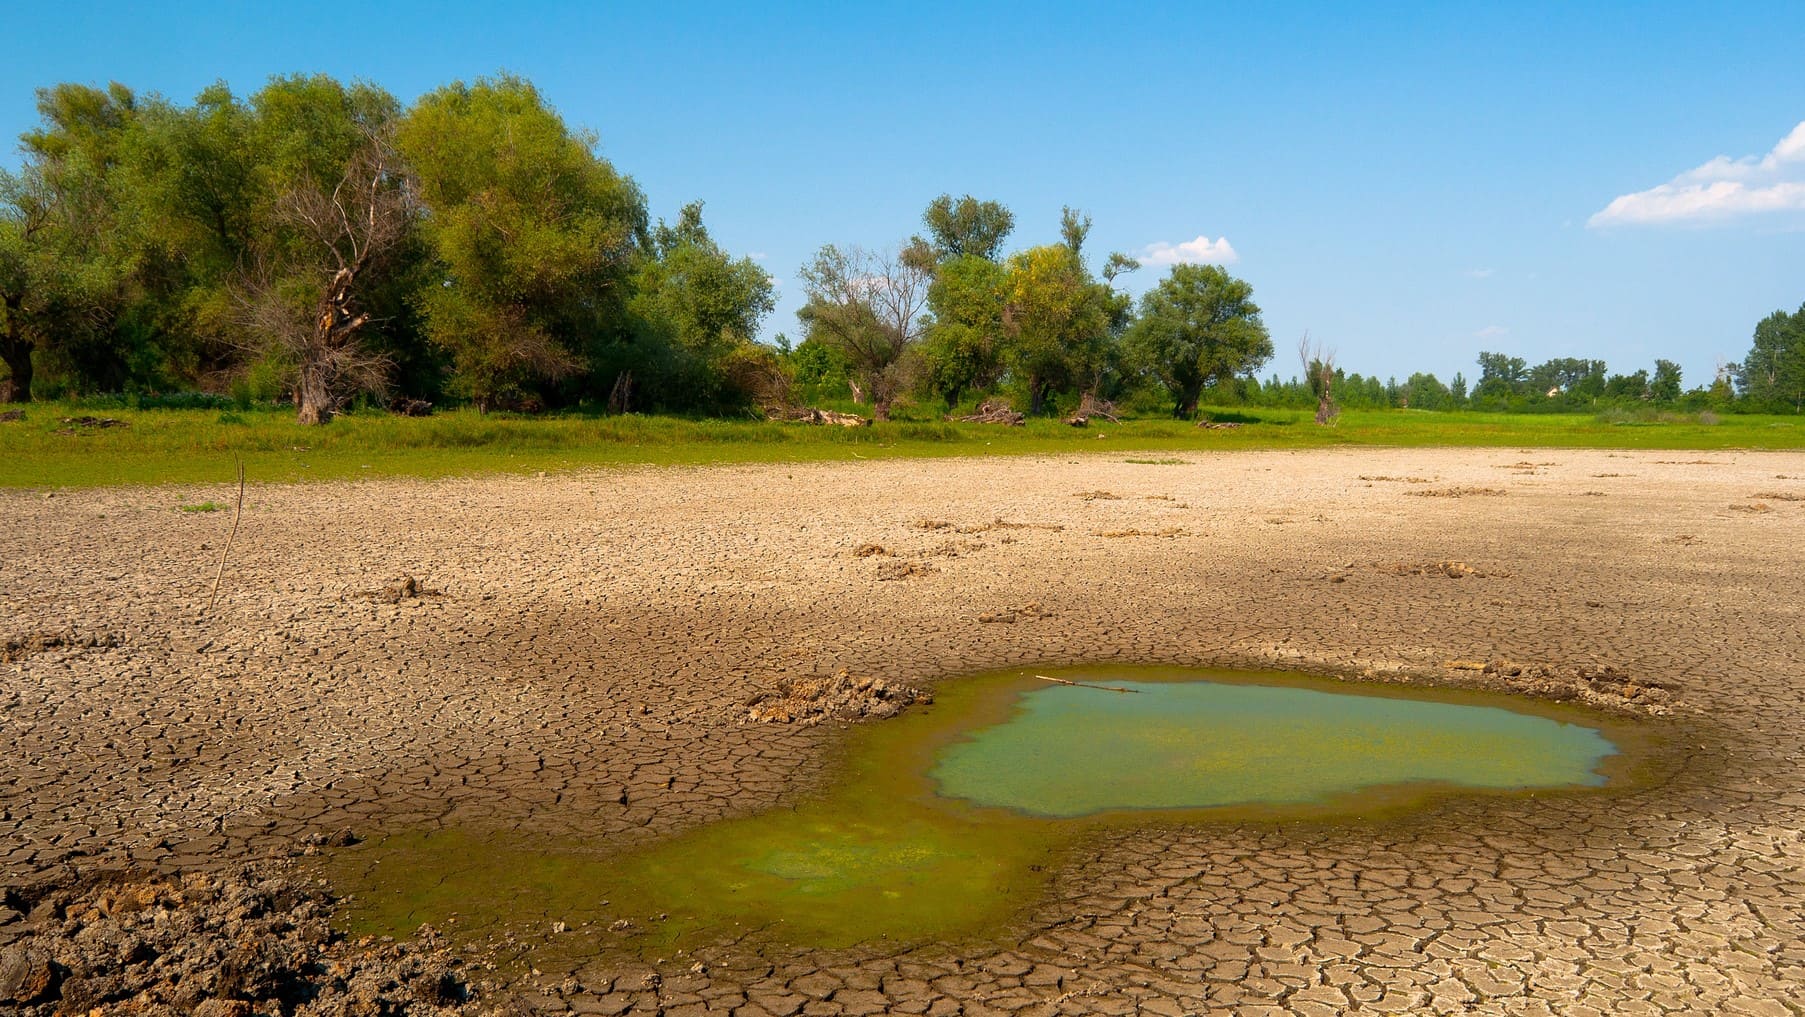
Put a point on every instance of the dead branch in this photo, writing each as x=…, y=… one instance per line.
x=1085, y=685
x=1090, y=407
x=237, y=514
x=993, y=411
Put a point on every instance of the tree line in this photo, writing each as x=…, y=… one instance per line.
x=316, y=241
x=319, y=243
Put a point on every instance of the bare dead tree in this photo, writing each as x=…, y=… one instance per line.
x=1319, y=370
x=869, y=306
x=302, y=291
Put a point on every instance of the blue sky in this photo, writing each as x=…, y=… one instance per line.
x=1412, y=183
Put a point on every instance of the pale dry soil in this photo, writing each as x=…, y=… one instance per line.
x=584, y=669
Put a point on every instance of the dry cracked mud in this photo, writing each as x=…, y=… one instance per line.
x=584, y=669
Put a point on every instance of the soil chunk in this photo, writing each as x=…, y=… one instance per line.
x=809, y=701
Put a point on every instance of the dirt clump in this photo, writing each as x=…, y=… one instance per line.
x=870, y=551
x=1168, y=533
x=842, y=696
x=1457, y=492
x=1450, y=569
x=1097, y=496
x=891, y=571
x=11, y=416
x=1778, y=496
x=18, y=647
x=1597, y=683
x=403, y=587
x=1031, y=611
x=250, y=941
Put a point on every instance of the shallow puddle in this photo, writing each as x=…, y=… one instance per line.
x=949, y=820
x=1076, y=751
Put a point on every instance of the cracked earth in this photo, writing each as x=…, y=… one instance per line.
x=577, y=655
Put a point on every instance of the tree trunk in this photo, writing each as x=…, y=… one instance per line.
x=313, y=400
x=1186, y=406
x=17, y=354
x=880, y=408
x=1036, y=393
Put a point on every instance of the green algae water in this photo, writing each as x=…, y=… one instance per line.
x=1074, y=751
x=946, y=822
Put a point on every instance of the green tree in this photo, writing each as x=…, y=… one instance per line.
x=1056, y=320
x=1574, y=377
x=961, y=348
x=1627, y=386
x=1501, y=376
x=1426, y=392
x=65, y=261
x=703, y=304
x=533, y=234
x=1665, y=386
x=967, y=227
x=1772, y=375
x=1199, y=326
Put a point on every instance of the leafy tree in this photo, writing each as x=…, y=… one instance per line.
x=1199, y=326
x=1665, y=387
x=533, y=234
x=1426, y=392
x=1056, y=319
x=1074, y=227
x=962, y=346
x=64, y=262
x=1457, y=390
x=1574, y=377
x=869, y=308
x=967, y=227
x=1773, y=373
x=704, y=304
x=1501, y=376
x=1627, y=386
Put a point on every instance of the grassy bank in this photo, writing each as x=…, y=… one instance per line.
x=189, y=446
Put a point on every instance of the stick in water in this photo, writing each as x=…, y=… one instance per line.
x=237, y=513
x=1085, y=685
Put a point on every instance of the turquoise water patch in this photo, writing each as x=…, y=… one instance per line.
x=1074, y=751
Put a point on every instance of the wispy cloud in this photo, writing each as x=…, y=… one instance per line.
x=1723, y=188
x=1201, y=251
x=1491, y=332
x=1479, y=273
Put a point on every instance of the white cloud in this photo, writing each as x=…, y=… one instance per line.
x=758, y=255
x=1491, y=332
x=1479, y=273
x=1201, y=251
x=1720, y=189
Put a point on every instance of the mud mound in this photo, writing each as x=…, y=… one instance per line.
x=254, y=941
x=809, y=701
